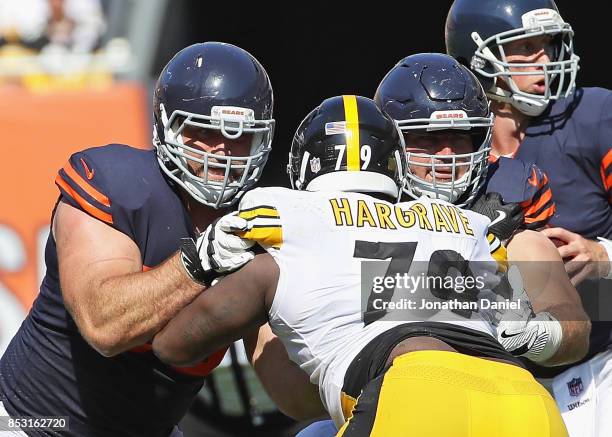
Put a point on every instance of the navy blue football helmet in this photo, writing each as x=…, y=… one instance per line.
x=432, y=92
x=476, y=31
x=348, y=144
x=221, y=87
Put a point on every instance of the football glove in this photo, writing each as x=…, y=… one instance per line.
x=524, y=333
x=217, y=250
x=506, y=218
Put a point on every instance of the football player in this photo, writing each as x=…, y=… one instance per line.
x=442, y=110
x=444, y=114
x=348, y=161
x=114, y=274
x=522, y=52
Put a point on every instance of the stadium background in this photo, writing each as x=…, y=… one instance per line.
x=50, y=107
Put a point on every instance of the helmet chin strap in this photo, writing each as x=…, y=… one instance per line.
x=416, y=189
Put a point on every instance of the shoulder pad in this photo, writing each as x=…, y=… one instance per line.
x=109, y=183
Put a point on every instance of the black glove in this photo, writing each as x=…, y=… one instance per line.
x=506, y=218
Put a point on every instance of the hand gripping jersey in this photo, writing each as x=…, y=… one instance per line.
x=49, y=369
x=524, y=183
x=320, y=239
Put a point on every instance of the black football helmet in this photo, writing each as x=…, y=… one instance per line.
x=432, y=92
x=476, y=31
x=348, y=144
x=221, y=87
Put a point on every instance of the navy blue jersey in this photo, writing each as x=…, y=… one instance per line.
x=572, y=142
x=49, y=369
x=524, y=183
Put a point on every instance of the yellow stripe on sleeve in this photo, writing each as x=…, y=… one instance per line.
x=267, y=236
x=261, y=211
x=498, y=252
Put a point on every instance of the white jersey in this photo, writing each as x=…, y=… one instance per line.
x=320, y=239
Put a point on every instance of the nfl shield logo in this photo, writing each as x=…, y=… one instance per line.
x=575, y=386
x=315, y=165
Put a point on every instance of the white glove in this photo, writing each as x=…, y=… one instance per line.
x=217, y=251
x=524, y=333
x=222, y=251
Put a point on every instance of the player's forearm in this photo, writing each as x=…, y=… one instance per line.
x=131, y=308
x=550, y=290
x=575, y=344
x=576, y=328
x=235, y=305
x=276, y=372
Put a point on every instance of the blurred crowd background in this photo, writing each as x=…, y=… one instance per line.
x=80, y=73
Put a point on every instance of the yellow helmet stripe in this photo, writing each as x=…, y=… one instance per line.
x=351, y=114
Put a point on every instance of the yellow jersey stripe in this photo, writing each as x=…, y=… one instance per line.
x=267, y=236
x=252, y=213
x=501, y=256
x=351, y=114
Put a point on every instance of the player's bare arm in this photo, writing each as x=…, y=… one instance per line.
x=114, y=303
x=550, y=289
x=233, y=307
x=277, y=372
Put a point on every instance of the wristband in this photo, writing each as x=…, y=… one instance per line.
x=548, y=341
x=607, y=244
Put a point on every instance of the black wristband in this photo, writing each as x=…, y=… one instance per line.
x=192, y=264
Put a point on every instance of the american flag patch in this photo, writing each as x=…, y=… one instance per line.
x=335, y=128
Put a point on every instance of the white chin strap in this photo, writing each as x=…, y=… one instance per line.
x=530, y=106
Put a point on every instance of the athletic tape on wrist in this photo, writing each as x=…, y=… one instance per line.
x=550, y=336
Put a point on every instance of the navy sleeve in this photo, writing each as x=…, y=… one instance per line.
x=82, y=188
x=605, y=146
x=101, y=182
x=529, y=187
